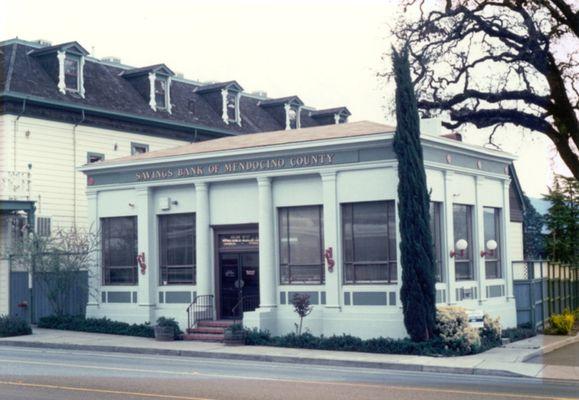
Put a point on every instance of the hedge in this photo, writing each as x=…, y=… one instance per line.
x=434, y=347
x=12, y=326
x=95, y=325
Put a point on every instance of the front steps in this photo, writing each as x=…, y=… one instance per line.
x=208, y=331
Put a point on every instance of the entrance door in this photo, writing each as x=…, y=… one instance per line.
x=239, y=274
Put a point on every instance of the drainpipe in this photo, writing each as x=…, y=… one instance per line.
x=74, y=168
x=15, y=133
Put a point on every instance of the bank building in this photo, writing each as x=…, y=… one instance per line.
x=235, y=227
x=245, y=201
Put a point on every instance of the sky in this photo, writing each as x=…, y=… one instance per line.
x=327, y=52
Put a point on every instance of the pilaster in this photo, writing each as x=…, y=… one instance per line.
x=267, y=264
x=146, y=239
x=61, y=56
x=478, y=240
x=203, y=241
x=507, y=269
x=330, y=212
x=152, y=100
x=448, y=237
x=94, y=272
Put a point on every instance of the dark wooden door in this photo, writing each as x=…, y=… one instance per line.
x=239, y=277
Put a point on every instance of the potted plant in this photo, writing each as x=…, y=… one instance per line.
x=234, y=335
x=167, y=329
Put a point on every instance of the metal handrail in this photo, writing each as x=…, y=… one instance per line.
x=243, y=301
x=200, y=309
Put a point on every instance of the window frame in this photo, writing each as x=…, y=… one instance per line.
x=76, y=60
x=496, y=256
x=162, y=80
x=163, y=265
x=469, y=253
x=105, y=255
x=436, y=222
x=391, y=263
x=134, y=146
x=289, y=266
x=93, y=154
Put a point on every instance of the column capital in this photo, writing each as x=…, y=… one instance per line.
x=201, y=186
x=448, y=174
x=328, y=175
x=264, y=181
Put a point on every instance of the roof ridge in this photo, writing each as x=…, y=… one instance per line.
x=10, y=68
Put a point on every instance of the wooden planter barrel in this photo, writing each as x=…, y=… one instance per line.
x=164, y=333
x=234, y=338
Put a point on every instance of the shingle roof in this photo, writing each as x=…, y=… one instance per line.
x=330, y=111
x=361, y=128
x=107, y=89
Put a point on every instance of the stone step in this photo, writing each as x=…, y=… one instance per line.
x=207, y=329
x=215, y=324
x=204, y=337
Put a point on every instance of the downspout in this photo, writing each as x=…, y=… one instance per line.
x=74, y=168
x=15, y=134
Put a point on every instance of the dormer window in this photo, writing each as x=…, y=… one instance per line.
x=232, y=107
x=286, y=111
x=71, y=73
x=161, y=92
x=293, y=111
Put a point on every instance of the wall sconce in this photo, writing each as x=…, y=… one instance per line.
x=174, y=202
x=132, y=205
x=461, y=246
x=491, y=247
x=116, y=147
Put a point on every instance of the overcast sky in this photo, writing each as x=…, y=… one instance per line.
x=326, y=52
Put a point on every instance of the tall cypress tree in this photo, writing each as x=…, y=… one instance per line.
x=416, y=249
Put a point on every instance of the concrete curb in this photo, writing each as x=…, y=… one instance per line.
x=550, y=347
x=267, y=358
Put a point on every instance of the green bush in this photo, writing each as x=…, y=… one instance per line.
x=95, y=325
x=434, y=347
x=516, y=334
x=561, y=324
x=12, y=326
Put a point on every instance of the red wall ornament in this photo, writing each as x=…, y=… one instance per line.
x=329, y=255
x=142, y=264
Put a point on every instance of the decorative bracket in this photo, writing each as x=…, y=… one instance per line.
x=329, y=256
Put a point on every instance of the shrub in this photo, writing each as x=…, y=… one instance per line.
x=95, y=325
x=561, y=324
x=455, y=332
x=515, y=334
x=12, y=326
x=434, y=347
x=491, y=332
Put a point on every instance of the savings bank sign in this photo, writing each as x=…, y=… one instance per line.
x=236, y=167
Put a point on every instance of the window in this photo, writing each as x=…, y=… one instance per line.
x=71, y=73
x=139, y=148
x=491, y=217
x=177, y=248
x=232, y=106
x=369, y=240
x=436, y=230
x=94, y=157
x=161, y=92
x=293, y=116
x=300, y=245
x=463, y=260
x=43, y=226
x=119, y=250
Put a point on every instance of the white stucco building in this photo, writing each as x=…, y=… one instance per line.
x=244, y=223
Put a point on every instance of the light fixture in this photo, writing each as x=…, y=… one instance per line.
x=491, y=246
x=461, y=246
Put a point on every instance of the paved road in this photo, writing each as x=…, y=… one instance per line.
x=568, y=355
x=34, y=374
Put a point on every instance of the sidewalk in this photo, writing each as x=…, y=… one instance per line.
x=505, y=361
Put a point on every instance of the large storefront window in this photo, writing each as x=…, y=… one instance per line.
x=436, y=230
x=300, y=245
x=492, y=240
x=369, y=240
x=177, y=248
x=119, y=250
x=463, y=260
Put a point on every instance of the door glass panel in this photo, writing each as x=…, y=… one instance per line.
x=229, y=278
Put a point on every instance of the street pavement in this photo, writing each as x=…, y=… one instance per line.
x=53, y=374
